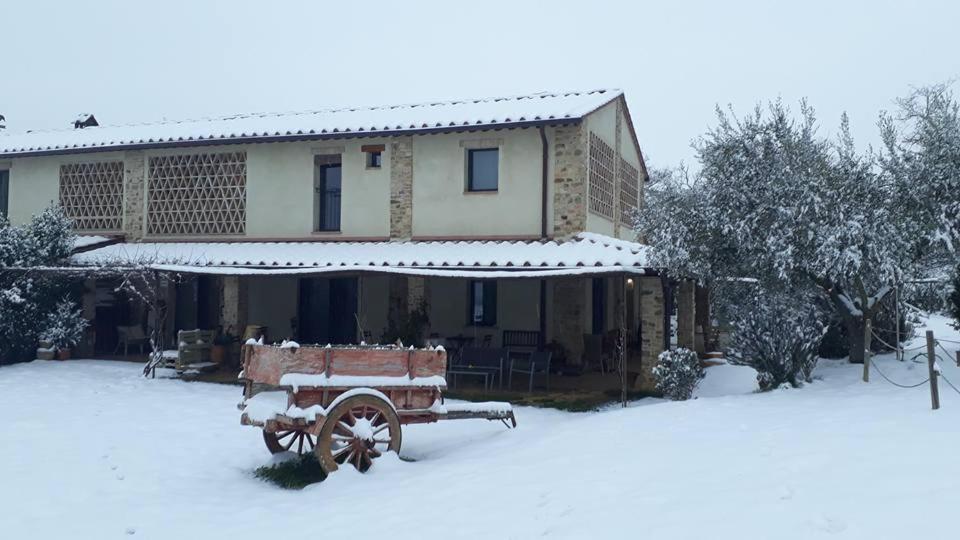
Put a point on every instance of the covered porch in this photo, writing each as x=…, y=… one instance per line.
x=590, y=302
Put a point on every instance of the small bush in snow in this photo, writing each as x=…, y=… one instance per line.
x=779, y=337
x=677, y=373
x=64, y=325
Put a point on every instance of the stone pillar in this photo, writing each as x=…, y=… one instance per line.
x=568, y=312
x=686, y=315
x=651, y=329
x=401, y=188
x=134, y=188
x=570, y=180
x=234, y=305
x=617, y=188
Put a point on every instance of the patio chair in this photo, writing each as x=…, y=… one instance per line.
x=485, y=360
x=131, y=335
x=539, y=362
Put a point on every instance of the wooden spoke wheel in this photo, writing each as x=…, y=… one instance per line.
x=358, y=430
x=289, y=440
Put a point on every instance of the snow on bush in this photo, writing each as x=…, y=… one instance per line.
x=779, y=337
x=28, y=298
x=64, y=326
x=677, y=373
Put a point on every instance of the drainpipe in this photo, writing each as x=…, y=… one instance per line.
x=544, y=184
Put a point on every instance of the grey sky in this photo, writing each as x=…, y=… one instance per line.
x=137, y=61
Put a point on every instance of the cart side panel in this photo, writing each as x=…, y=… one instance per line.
x=428, y=363
x=266, y=364
x=372, y=362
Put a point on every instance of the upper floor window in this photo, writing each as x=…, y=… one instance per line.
x=374, y=155
x=327, y=178
x=4, y=193
x=483, y=166
x=92, y=195
x=482, y=303
x=197, y=194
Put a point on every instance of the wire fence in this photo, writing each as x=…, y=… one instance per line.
x=931, y=357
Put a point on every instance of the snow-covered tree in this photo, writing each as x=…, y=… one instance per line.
x=922, y=159
x=778, y=203
x=64, y=326
x=28, y=296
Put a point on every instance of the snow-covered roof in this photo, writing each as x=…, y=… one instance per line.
x=587, y=252
x=541, y=108
x=86, y=242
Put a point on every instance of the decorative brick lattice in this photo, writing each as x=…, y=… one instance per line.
x=629, y=191
x=197, y=194
x=92, y=195
x=601, y=177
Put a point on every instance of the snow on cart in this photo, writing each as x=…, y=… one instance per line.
x=346, y=403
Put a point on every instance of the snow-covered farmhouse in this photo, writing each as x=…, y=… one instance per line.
x=486, y=223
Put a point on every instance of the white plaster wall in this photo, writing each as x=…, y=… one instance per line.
x=443, y=207
x=35, y=181
x=280, y=188
x=517, y=308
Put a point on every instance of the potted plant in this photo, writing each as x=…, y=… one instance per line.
x=221, y=345
x=64, y=328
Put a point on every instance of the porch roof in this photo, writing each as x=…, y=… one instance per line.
x=583, y=254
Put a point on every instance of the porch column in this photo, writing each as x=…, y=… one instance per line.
x=568, y=313
x=234, y=305
x=703, y=319
x=86, y=346
x=652, y=329
x=686, y=315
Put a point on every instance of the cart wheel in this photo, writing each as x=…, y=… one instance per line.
x=290, y=440
x=357, y=431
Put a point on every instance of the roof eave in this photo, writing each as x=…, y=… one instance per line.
x=289, y=138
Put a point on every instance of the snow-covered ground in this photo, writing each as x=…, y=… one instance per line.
x=92, y=450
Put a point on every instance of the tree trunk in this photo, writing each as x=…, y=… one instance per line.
x=855, y=335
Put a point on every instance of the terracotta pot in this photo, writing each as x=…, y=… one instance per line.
x=218, y=353
x=63, y=354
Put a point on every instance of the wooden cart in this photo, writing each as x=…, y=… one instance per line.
x=346, y=404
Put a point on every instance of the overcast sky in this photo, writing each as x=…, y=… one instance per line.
x=133, y=61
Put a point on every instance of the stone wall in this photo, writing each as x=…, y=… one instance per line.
x=234, y=305
x=569, y=305
x=134, y=187
x=570, y=181
x=651, y=329
x=401, y=188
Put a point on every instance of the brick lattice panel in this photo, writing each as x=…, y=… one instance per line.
x=601, y=177
x=629, y=191
x=92, y=195
x=197, y=194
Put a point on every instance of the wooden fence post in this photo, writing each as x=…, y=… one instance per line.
x=867, y=337
x=931, y=365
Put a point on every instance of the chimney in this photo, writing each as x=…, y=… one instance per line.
x=85, y=120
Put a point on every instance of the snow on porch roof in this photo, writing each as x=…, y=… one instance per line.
x=582, y=254
x=509, y=111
